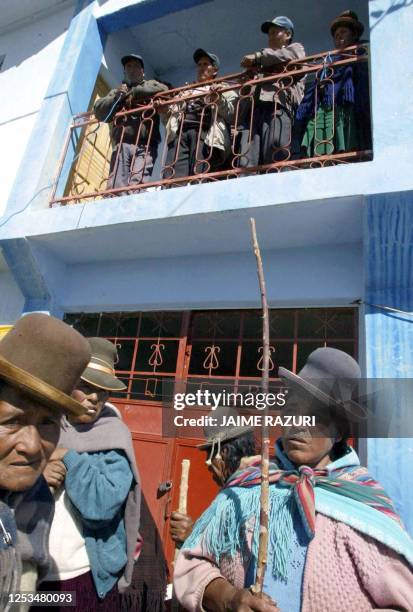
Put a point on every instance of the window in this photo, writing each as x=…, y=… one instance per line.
x=214, y=347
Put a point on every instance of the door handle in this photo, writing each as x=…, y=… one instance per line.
x=164, y=487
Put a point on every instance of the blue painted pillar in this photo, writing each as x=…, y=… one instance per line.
x=388, y=242
x=69, y=93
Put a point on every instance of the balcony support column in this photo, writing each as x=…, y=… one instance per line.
x=388, y=244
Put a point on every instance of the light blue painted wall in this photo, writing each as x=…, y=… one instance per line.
x=300, y=277
x=11, y=299
x=389, y=336
x=68, y=93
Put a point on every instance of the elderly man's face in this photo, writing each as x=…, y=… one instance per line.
x=205, y=69
x=29, y=432
x=133, y=71
x=92, y=398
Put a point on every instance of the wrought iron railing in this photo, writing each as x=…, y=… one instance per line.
x=226, y=113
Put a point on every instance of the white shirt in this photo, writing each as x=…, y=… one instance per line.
x=66, y=543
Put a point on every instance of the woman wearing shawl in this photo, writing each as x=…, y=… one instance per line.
x=335, y=540
x=334, y=115
x=93, y=471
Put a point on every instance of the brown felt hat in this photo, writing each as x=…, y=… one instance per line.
x=44, y=358
x=347, y=19
x=100, y=371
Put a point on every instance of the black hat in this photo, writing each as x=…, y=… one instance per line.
x=348, y=19
x=223, y=433
x=330, y=376
x=126, y=58
x=202, y=53
x=100, y=372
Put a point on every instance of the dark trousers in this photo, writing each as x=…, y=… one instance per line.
x=130, y=165
x=269, y=132
x=186, y=158
x=86, y=596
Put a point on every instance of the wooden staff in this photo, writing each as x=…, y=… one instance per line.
x=265, y=441
x=183, y=487
x=182, y=507
x=183, y=492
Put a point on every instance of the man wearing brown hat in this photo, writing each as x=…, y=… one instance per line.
x=135, y=145
x=41, y=360
x=95, y=528
x=270, y=137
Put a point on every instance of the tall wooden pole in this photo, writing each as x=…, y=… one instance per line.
x=183, y=509
x=265, y=441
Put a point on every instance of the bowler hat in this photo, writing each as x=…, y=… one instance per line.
x=44, y=358
x=132, y=56
x=100, y=371
x=331, y=377
x=223, y=433
x=202, y=53
x=348, y=19
x=280, y=21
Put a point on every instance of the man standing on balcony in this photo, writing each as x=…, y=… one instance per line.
x=197, y=131
x=135, y=139
x=270, y=136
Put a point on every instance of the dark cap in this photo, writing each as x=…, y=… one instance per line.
x=223, y=433
x=202, y=53
x=131, y=56
x=281, y=22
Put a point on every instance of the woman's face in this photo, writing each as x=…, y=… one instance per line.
x=344, y=37
x=92, y=398
x=29, y=432
x=310, y=445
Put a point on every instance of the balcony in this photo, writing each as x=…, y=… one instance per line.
x=90, y=165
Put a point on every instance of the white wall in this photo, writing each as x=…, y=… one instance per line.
x=31, y=52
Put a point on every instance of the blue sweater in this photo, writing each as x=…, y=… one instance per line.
x=98, y=484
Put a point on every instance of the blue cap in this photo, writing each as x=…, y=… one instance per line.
x=281, y=22
x=202, y=53
x=132, y=56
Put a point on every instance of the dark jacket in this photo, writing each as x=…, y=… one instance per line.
x=269, y=60
x=106, y=108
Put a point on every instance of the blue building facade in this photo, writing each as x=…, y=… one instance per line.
x=330, y=236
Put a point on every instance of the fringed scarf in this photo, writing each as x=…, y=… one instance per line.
x=344, y=86
x=348, y=493
x=148, y=586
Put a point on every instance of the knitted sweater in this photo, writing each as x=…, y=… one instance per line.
x=345, y=571
x=98, y=485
